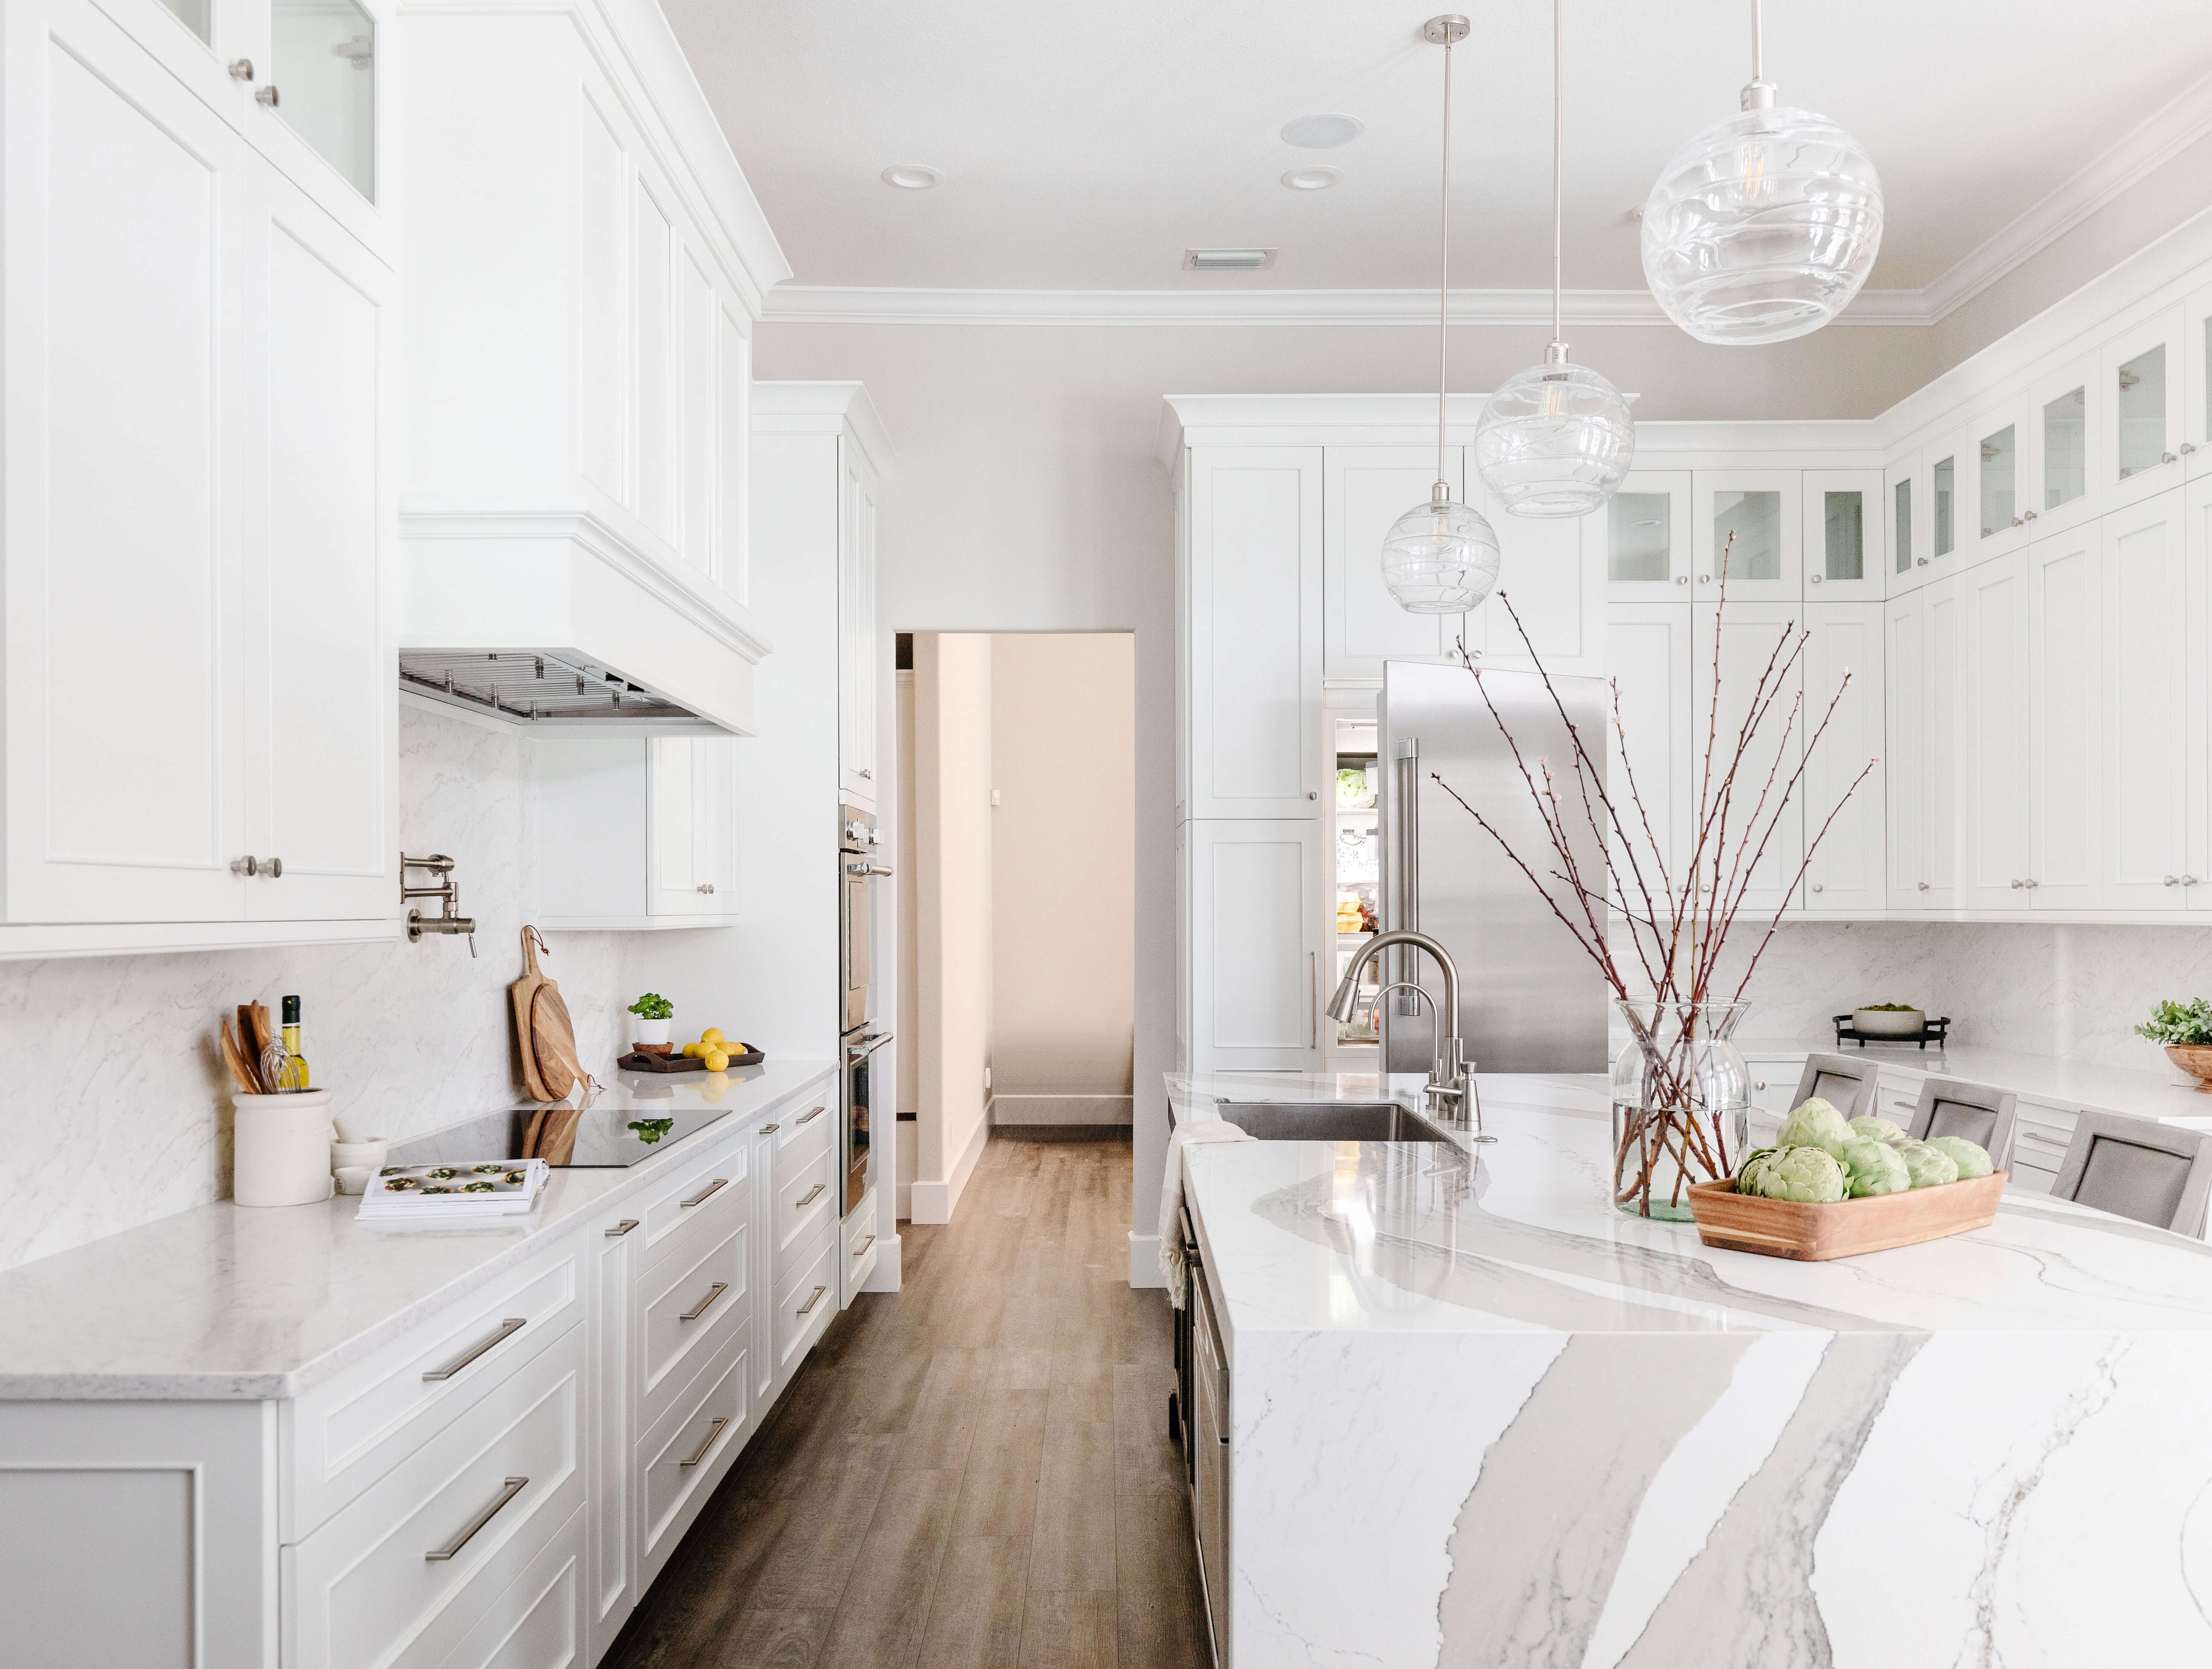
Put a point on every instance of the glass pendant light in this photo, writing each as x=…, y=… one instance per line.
x=1765, y=225
x=1555, y=440
x=1441, y=558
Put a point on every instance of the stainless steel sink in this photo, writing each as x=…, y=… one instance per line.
x=1330, y=1121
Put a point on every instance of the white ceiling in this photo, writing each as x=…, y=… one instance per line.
x=1085, y=145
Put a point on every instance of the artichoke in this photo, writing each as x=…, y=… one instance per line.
x=1930, y=1166
x=1873, y=1167
x=1971, y=1157
x=1808, y=1173
x=1816, y=1123
x=1868, y=1128
x=1747, y=1174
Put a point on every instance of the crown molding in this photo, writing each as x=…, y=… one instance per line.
x=824, y=408
x=829, y=303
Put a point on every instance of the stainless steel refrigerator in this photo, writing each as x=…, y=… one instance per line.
x=1530, y=999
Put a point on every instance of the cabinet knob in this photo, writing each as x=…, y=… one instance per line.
x=2168, y=458
x=2017, y=885
x=706, y=886
x=1813, y=579
x=266, y=97
x=867, y=775
x=1681, y=579
x=1761, y=1085
x=1312, y=794
x=2188, y=880
x=2171, y=881
x=1705, y=579
x=247, y=865
x=1923, y=886
x=1817, y=887
x=2027, y=515
x=2187, y=447
x=2030, y=884
x=241, y=68
x=272, y=867
x=1920, y=561
x=2016, y=521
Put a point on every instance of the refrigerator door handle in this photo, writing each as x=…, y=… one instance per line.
x=1313, y=999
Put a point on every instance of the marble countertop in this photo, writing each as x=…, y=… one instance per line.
x=1516, y=1236
x=229, y=1302
x=2165, y=1093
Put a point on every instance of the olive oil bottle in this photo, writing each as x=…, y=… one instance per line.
x=294, y=1075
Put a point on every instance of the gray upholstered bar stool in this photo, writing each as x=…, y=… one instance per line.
x=1846, y=1084
x=1982, y=1115
x=2156, y=1173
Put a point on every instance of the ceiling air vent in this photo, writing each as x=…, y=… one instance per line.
x=1227, y=260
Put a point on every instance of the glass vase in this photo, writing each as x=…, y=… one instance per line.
x=1681, y=1104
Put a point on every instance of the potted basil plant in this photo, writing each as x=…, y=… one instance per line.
x=2186, y=1030
x=653, y=1012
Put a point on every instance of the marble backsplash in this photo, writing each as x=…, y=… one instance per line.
x=117, y=1110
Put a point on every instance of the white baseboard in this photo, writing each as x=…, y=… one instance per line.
x=885, y=1277
x=1062, y=1109
x=934, y=1202
x=1144, y=1262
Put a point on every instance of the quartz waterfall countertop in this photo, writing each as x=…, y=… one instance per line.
x=225, y=1302
x=1477, y=1416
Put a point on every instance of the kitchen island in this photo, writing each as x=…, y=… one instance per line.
x=1476, y=1417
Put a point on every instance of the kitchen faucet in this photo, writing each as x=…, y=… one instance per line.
x=1450, y=1080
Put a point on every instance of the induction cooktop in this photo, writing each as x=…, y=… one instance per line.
x=632, y=1117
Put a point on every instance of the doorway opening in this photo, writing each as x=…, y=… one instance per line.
x=1015, y=807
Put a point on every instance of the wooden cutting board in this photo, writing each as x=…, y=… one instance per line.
x=543, y=1031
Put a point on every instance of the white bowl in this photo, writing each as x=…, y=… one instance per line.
x=1889, y=1022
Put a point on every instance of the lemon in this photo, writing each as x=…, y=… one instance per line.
x=716, y=1060
x=691, y=1051
x=711, y=1038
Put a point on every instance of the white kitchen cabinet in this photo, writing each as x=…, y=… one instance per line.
x=609, y=1579
x=2195, y=881
x=858, y=649
x=1647, y=538
x=630, y=834
x=186, y=334
x=2139, y=439
x=1996, y=488
x=1252, y=693
x=1552, y=575
x=1924, y=674
x=1846, y=554
x=1365, y=489
x=1762, y=510
x=1996, y=800
x=1843, y=781
x=1752, y=864
x=2145, y=717
x=2068, y=808
x=1905, y=516
x=1258, y=943
x=2064, y=412
x=1947, y=465
x=1649, y=647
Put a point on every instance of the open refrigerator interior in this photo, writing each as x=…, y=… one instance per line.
x=1355, y=880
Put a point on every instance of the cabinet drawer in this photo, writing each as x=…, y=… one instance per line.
x=805, y=1201
x=2041, y=1147
x=857, y=1235
x=805, y=1305
x=685, y=1312
x=350, y=1430
x=447, y=1530
x=680, y=1457
x=535, y=1622
x=711, y=1185
x=805, y=1131
x=699, y=1227
x=2033, y=1178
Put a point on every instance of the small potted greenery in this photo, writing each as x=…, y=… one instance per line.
x=2186, y=1030
x=653, y=1013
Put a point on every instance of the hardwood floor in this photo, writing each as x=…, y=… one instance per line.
x=973, y=1471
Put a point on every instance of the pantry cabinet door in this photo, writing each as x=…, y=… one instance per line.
x=1844, y=780
x=2151, y=706
x=1647, y=538
x=320, y=610
x=123, y=200
x=1652, y=758
x=1943, y=817
x=1847, y=555
x=1258, y=946
x=1904, y=675
x=1366, y=490
x=1998, y=850
x=856, y=623
x=2196, y=518
x=1758, y=860
x=1255, y=646
x=2066, y=862
x=2139, y=441
x=2065, y=411
x=1549, y=607
x=1755, y=519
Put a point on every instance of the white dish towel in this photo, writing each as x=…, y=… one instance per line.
x=1190, y=1133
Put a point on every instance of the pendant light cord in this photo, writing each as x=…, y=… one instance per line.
x=1443, y=276
x=1758, y=44
x=1558, y=169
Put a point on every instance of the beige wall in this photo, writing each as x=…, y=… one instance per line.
x=953, y=914
x=1063, y=864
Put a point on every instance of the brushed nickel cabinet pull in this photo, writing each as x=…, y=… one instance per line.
x=514, y=1487
x=870, y=1239
x=508, y=1329
x=815, y=1114
x=807, y=1309
x=769, y=1130
x=621, y=1227
x=706, y=1192
x=713, y=1432
x=812, y=1193
x=701, y=1307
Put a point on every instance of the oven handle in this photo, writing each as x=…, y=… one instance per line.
x=867, y=869
x=867, y=1045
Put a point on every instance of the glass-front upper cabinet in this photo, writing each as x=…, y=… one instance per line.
x=1751, y=522
x=1846, y=552
x=322, y=59
x=1648, y=542
x=1994, y=516
x=2062, y=416
x=2195, y=447
x=2144, y=380
x=1946, y=479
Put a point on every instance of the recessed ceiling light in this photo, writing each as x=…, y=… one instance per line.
x=1322, y=132
x=1313, y=179
x=1227, y=260
x=912, y=177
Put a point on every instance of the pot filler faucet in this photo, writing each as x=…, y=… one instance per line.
x=1451, y=1083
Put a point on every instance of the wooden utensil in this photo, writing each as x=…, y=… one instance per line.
x=543, y=1031
x=1846, y=1227
x=234, y=1058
